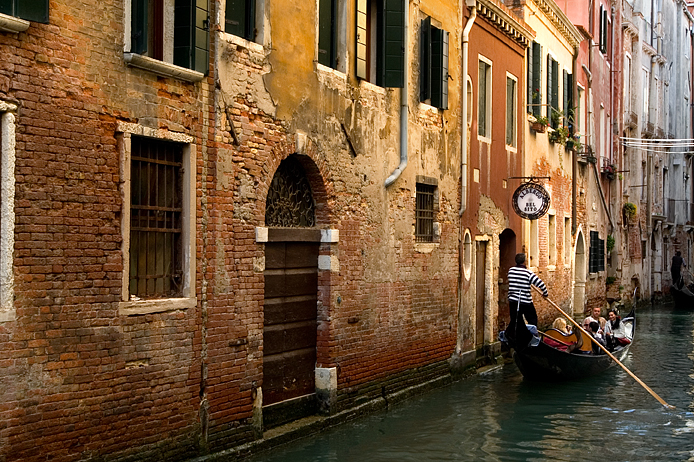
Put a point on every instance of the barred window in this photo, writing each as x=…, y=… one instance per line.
x=596, y=260
x=424, y=213
x=156, y=218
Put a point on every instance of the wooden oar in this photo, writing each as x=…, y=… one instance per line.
x=586, y=334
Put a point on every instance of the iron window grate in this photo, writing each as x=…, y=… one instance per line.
x=424, y=213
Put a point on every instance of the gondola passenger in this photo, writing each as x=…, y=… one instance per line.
x=617, y=334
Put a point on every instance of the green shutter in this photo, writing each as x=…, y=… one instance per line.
x=529, y=81
x=7, y=7
x=482, y=99
x=425, y=62
x=191, y=35
x=555, y=90
x=32, y=10
x=139, y=26
x=550, y=103
x=392, y=44
x=239, y=18
x=537, y=79
x=326, y=33
x=362, y=41
x=510, y=119
x=439, y=72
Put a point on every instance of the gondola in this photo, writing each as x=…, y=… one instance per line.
x=549, y=363
x=683, y=297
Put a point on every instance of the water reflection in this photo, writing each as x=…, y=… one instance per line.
x=501, y=417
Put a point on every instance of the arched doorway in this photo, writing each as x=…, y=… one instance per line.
x=507, y=254
x=579, y=274
x=290, y=298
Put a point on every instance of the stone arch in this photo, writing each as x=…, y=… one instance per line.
x=580, y=272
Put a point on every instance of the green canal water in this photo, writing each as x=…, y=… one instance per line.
x=499, y=416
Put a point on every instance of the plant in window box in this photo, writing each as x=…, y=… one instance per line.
x=574, y=142
x=559, y=135
x=540, y=124
x=610, y=243
x=629, y=211
x=610, y=171
x=591, y=158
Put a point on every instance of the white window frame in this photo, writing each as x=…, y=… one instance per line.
x=164, y=67
x=567, y=242
x=514, y=112
x=7, y=188
x=124, y=133
x=487, y=137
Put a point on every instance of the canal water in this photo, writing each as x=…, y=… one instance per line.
x=499, y=416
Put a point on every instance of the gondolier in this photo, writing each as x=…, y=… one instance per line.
x=520, y=299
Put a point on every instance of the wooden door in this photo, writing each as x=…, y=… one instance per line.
x=480, y=268
x=289, y=332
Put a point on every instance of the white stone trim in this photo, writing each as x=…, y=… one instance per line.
x=11, y=24
x=162, y=68
x=261, y=234
x=127, y=306
x=331, y=236
x=7, y=189
x=328, y=263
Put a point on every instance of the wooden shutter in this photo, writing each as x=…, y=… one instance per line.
x=191, y=35
x=569, y=111
x=139, y=26
x=362, y=39
x=425, y=62
x=439, y=69
x=482, y=99
x=555, y=90
x=326, y=33
x=550, y=102
x=392, y=46
x=537, y=79
x=529, y=80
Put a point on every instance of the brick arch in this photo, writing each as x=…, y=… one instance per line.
x=317, y=172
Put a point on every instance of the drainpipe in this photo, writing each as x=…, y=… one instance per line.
x=463, y=99
x=403, y=106
x=574, y=156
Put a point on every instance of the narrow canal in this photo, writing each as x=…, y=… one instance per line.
x=498, y=416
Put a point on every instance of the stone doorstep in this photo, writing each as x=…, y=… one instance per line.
x=312, y=425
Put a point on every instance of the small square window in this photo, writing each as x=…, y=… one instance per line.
x=424, y=213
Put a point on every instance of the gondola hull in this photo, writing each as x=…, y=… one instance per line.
x=545, y=363
x=684, y=298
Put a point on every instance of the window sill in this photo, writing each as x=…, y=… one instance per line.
x=366, y=85
x=162, y=68
x=425, y=247
x=159, y=305
x=12, y=24
x=243, y=43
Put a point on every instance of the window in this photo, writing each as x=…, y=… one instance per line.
x=175, y=32
x=626, y=87
x=568, y=101
x=553, y=92
x=567, y=240
x=578, y=114
x=434, y=65
x=484, y=99
x=424, y=213
x=552, y=228
x=30, y=10
x=158, y=220
x=602, y=33
x=327, y=33
x=535, y=79
x=596, y=259
x=239, y=18
x=534, y=253
x=646, y=84
x=381, y=42
x=7, y=183
x=511, y=85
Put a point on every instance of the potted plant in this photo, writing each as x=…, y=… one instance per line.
x=610, y=171
x=629, y=210
x=559, y=135
x=574, y=142
x=610, y=243
x=540, y=124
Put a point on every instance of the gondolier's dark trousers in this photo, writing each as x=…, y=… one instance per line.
x=525, y=310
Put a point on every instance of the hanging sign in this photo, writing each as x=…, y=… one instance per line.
x=531, y=201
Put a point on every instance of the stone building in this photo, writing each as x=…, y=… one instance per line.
x=220, y=216
x=550, y=242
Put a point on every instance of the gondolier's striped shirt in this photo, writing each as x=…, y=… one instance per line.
x=519, y=281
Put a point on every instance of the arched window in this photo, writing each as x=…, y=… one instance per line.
x=290, y=200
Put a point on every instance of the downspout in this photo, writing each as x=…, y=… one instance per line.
x=574, y=156
x=403, y=105
x=464, y=102
x=613, y=117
